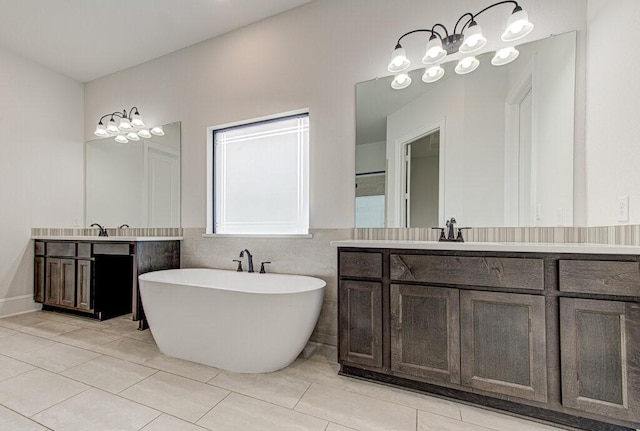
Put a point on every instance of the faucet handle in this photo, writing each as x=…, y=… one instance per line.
x=239, y=265
x=442, y=235
x=460, y=229
x=262, y=271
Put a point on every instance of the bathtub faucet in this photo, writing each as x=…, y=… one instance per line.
x=249, y=259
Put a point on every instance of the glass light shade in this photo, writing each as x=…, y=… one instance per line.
x=112, y=127
x=434, y=52
x=505, y=56
x=157, y=131
x=125, y=124
x=518, y=26
x=473, y=39
x=121, y=139
x=432, y=74
x=144, y=133
x=133, y=136
x=101, y=131
x=467, y=65
x=136, y=121
x=399, y=61
x=400, y=81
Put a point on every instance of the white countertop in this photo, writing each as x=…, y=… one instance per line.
x=106, y=238
x=525, y=247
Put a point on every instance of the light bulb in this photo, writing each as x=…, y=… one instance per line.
x=518, y=25
x=505, y=56
x=399, y=61
x=112, y=127
x=136, y=121
x=101, y=131
x=432, y=74
x=133, y=136
x=400, y=81
x=467, y=65
x=434, y=52
x=157, y=131
x=125, y=124
x=473, y=39
x=121, y=139
x=144, y=133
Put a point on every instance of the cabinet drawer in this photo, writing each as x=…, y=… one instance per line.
x=504, y=272
x=597, y=276
x=63, y=249
x=356, y=264
x=38, y=248
x=84, y=249
x=119, y=249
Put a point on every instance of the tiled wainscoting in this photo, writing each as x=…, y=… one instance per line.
x=136, y=231
x=61, y=372
x=306, y=256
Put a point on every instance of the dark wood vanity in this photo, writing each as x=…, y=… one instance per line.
x=552, y=336
x=98, y=278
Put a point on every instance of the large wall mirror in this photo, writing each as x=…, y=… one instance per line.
x=492, y=148
x=137, y=183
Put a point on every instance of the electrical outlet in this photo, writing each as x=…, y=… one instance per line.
x=623, y=208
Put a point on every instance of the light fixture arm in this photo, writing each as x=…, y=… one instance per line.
x=418, y=31
x=473, y=16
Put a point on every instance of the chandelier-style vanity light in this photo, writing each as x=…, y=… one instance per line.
x=125, y=127
x=467, y=40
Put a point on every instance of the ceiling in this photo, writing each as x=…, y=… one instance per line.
x=87, y=39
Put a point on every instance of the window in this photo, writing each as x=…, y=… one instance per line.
x=260, y=177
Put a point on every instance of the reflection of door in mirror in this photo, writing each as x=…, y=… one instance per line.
x=421, y=181
x=163, y=187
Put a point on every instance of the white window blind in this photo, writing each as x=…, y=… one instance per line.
x=261, y=177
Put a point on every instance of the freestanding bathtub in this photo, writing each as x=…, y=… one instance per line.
x=237, y=321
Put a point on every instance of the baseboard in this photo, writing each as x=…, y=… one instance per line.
x=18, y=305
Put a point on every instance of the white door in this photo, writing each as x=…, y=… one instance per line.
x=526, y=163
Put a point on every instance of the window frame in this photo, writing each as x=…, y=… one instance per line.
x=211, y=184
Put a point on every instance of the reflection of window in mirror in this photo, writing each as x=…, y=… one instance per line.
x=421, y=181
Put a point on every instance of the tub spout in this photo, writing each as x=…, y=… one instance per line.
x=249, y=259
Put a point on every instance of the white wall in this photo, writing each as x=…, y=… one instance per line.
x=311, y=56
x=613, y=103
x=42, y=167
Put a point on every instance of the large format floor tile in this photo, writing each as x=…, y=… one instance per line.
x=48, y=328
x=355, y=410
x=241, y=413
x=178, y=396
x=110, y=374
x=19, y=344
x=15, y=322
x=12, y=421
x=433, y=422
x=96, y=410
x=276, y=388
x=191, y=370
x=169, y=423
x=130, y=350
x=57, y=357
x=5, y=332
x=86, y=338
x=36, y=390
x=10, y=367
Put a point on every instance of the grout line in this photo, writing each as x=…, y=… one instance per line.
x=212, y=407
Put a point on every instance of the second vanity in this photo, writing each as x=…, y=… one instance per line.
x=549, y=331
x=98, y=276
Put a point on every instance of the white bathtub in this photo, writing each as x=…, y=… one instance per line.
x=241, y=322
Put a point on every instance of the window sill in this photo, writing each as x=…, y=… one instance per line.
x=258, y=235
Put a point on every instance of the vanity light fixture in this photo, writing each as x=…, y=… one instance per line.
x=125, y=126
x=467, y=39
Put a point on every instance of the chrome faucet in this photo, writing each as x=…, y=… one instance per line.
x=451, y=231
x=449, y=224
x=249, y=259
x=103, y=231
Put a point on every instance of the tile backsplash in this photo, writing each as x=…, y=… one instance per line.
x=136, y=231
x=614, y=235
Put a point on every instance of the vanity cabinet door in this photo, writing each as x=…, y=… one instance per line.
x=360, y=323
x=60, y=283
x=85, y=284
x=38, y=279
x=503, y=344
x=425, y=332
x=600, y=342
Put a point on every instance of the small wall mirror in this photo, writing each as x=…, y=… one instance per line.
x=492, y=148
x=137, y=183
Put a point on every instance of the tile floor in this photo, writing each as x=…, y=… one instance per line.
x=60, y=372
